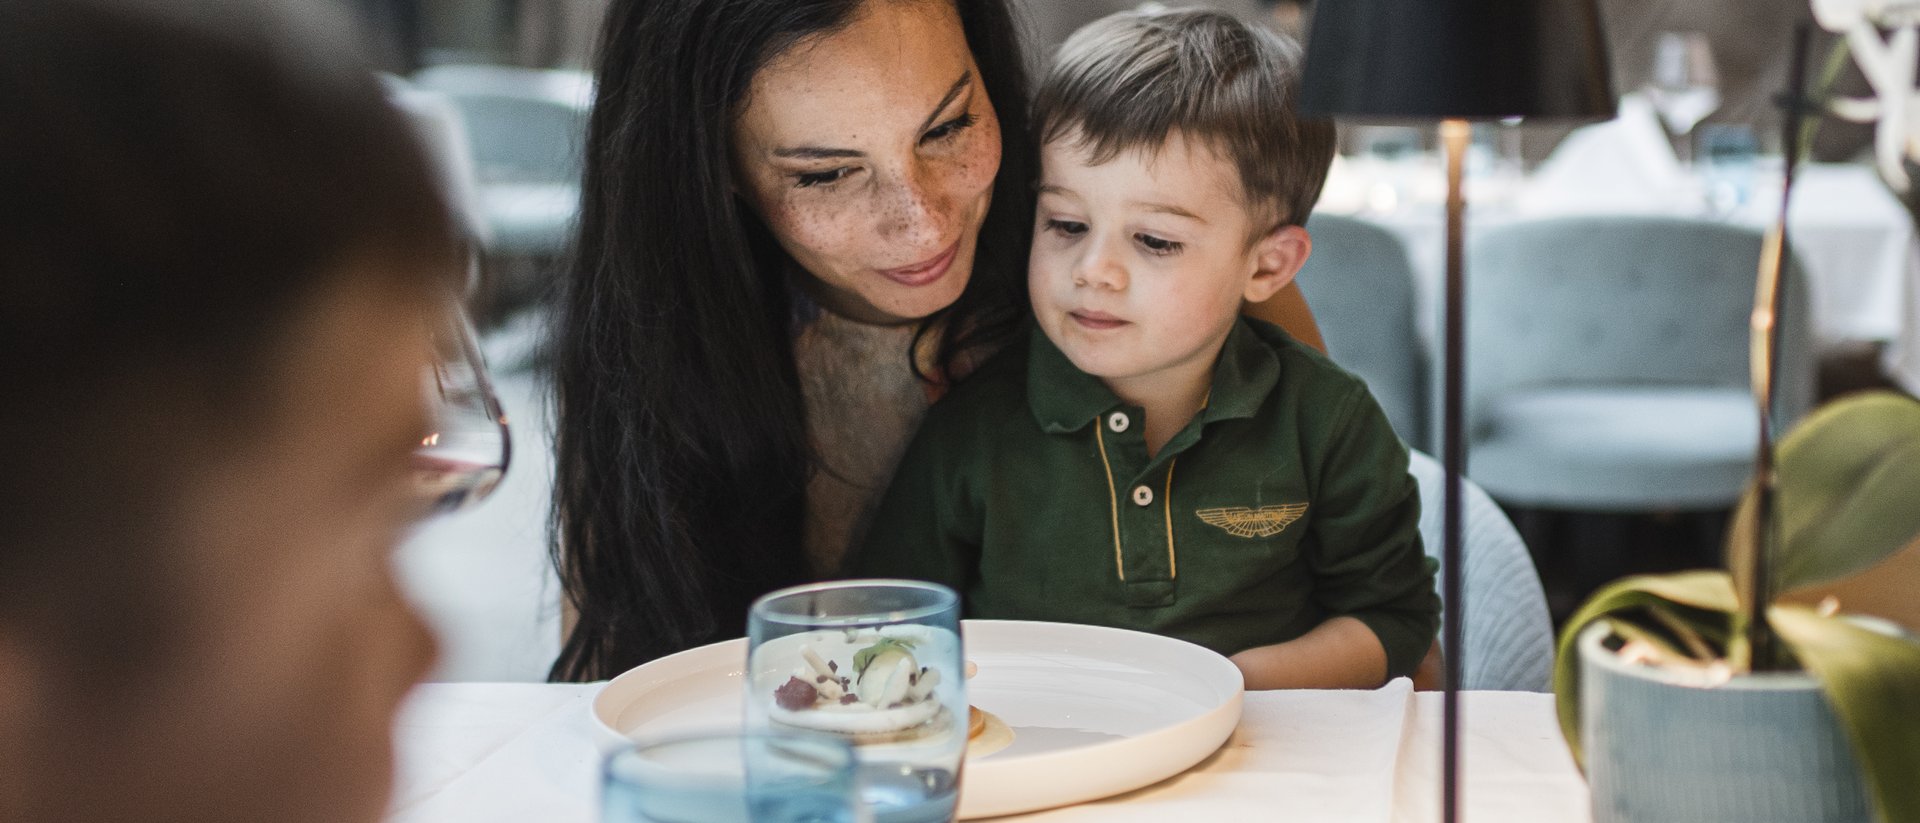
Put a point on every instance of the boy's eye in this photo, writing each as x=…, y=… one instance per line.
x=1157, y=245
x=949, y=128
x=806, y=180
x=1066, y=228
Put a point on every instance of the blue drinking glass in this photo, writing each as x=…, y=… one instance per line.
x=877, y=663
x=1727, y=165
x=733, y=777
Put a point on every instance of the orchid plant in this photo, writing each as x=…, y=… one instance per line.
x=1835, y=502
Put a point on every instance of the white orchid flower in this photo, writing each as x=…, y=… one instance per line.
x=1889, y=64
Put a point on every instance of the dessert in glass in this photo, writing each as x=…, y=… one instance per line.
x=877, y=663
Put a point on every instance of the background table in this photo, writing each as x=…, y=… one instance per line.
x=1853, y=238
x=520, y=753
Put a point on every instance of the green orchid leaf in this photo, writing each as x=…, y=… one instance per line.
x=1704, y=599
x=1845, y=494
x=1742, y=544
x=1872, y=681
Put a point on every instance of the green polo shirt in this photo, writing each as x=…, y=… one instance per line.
x=1285, y=502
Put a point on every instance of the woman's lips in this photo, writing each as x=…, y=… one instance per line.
x=920, y=274
x=1096, y=320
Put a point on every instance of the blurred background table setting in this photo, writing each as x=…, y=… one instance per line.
x=1852, y=237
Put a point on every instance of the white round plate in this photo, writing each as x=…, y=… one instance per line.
x=1095, y=711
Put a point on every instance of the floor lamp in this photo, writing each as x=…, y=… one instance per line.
x=1455, y=61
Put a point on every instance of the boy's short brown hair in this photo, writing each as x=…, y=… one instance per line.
x=1130, y=80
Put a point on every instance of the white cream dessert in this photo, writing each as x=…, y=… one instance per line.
x=880, y=693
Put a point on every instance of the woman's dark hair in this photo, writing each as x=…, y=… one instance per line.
x=682, y=449
x=182, y=179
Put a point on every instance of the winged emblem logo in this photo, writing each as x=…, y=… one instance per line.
x=1265, y=521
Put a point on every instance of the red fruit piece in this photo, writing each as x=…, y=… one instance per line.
x=795, y=695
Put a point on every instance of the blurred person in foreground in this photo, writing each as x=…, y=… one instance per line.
x=218, y=246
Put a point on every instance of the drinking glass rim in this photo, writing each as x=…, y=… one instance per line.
x=946, y=598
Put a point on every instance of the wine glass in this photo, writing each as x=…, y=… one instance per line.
x=877, y=663
x=465, y=454
x=1685, y=87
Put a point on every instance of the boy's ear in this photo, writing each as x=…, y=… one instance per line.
x=1277, y=257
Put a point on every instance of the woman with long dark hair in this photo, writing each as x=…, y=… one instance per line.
x=800, y=219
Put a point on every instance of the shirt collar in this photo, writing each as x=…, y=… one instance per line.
x=1063, y=398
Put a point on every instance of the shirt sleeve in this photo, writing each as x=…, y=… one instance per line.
x=1368, y=560
x=921, y=529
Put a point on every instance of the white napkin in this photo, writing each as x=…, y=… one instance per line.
x=1299, y=756
x=1624, y=165
x=1516, y=764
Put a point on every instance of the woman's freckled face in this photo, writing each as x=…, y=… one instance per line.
x=871, y=153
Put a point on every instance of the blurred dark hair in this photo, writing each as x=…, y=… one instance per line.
x=179, y=179
x=1129, y=80
x=682, y=447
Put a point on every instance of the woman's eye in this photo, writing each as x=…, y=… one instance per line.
x=1156, y=245
x=806, y=180
x=1066, y=228
x=950, y=128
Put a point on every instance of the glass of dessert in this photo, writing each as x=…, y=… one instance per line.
x=877, y=663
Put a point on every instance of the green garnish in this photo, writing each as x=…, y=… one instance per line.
x=864, y=657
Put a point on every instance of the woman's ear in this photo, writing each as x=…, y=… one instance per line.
x=1277, y=257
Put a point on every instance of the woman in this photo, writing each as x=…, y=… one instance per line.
x=801, y=218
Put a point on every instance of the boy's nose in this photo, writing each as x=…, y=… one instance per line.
x=1100, y=268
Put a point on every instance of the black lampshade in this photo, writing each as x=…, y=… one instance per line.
x=1466, y=59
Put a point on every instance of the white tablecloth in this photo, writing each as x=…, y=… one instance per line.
x=1901, y=359
x=521, y=753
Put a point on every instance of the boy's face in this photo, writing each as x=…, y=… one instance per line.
x=1140, y=264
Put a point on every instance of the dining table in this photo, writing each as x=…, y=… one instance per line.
x=1852, y=237
x=525, y=752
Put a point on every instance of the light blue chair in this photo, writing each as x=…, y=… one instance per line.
x=1361, y=288
x=526, y=128
x=1509, y=635
x=1607, y=362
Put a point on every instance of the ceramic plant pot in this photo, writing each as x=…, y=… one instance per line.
x=1665, y=744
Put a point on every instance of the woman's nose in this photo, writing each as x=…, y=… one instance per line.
x=914, y=215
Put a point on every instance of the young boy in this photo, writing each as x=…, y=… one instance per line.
x=1150, y=459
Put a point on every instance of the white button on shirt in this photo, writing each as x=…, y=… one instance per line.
x=1118, y=422
x=1142, y=496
